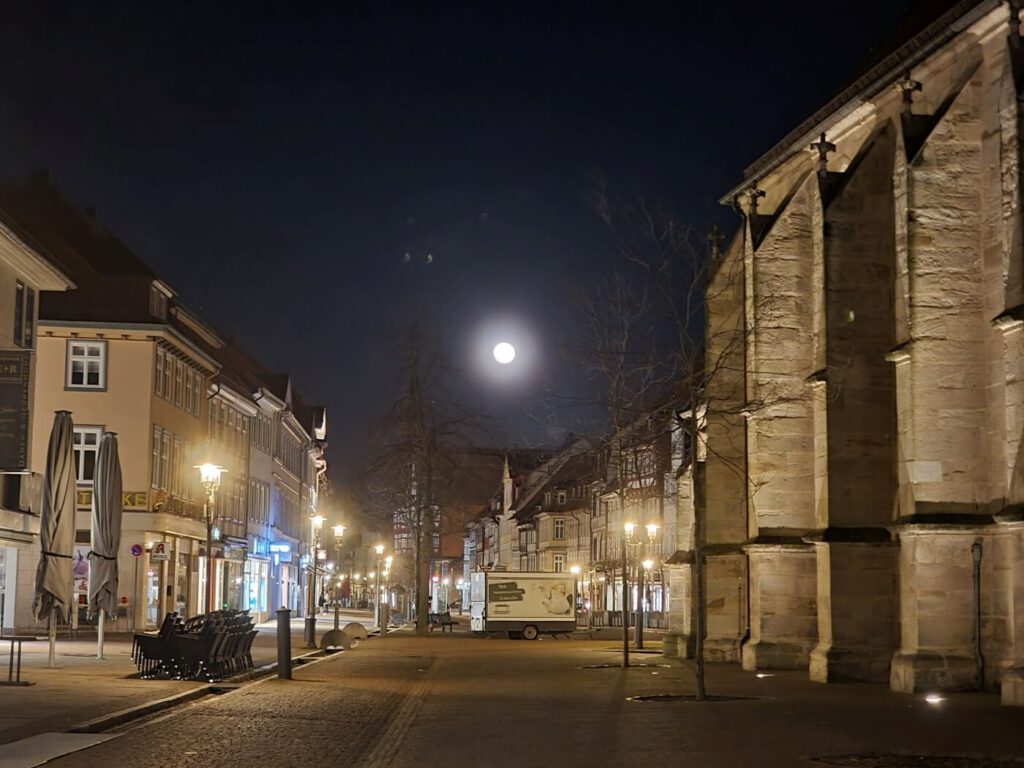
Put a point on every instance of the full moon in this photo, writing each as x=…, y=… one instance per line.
x=504, y=352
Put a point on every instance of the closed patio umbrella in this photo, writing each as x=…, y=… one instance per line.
x=56, y=528
x=106, y=534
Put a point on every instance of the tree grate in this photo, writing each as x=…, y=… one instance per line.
x=659, y=698
x=881, y=760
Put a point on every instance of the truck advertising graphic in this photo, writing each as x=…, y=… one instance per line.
x=522, y=603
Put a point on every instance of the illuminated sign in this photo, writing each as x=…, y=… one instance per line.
x=129, y=499
x=282, y=551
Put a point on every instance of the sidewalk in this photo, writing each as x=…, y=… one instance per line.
x=82, y=687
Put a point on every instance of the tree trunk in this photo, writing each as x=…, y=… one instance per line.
x=422, y=580
x=699, y=601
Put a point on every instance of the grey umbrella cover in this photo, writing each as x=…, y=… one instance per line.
x=106, y=527
x=57, y=522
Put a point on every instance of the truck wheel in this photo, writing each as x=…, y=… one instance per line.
x=530, y=632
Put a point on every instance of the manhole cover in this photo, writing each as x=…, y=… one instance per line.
x=918, y=761
x=619, y=666
x=669, y=697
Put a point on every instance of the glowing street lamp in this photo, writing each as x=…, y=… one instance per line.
x=575, y=570
x=379, y=549
x=209, y=475
x=339, y=533
x=644, y=588
x=627, y=529
x=316, y=523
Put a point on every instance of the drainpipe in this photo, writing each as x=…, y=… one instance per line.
x=979, y=660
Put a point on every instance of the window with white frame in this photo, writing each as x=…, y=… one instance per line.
x=559, y=527
x=190, y=390
x=168, y=461
x=158, y=377
x=559, y=562
x=86, y=444
x=177, y=469
x=168, y=376
x=560, y=497
x=197, y=394
x=157, y=443
x=179, y=383
x=87, y=363
x=165, y=461
x=24, y=315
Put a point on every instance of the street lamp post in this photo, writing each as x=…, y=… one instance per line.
x=339, y=532
x=386, y=602
x=627, y=530
x=209, y=474
x=575, y=571
x=652, y=531
x=379, y=549
x=316, y=523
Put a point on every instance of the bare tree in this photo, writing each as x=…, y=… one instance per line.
x=686, y=313
x=414, y=461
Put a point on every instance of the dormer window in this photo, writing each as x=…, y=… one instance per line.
x=157, y=303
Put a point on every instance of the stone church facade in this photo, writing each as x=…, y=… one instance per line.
x=865, y=471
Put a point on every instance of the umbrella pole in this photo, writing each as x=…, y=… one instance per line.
x=53, y=637
x=99, y=635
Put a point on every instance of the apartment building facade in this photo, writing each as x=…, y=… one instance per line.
x=27, y=269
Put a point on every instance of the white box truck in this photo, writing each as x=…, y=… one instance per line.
x=522, y=604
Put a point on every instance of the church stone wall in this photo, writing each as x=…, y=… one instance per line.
x=883, y=293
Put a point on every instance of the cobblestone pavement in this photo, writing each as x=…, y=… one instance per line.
x=457, y=700
x=82, y=687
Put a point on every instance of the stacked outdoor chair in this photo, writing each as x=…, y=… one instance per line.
x=219, y=645
x=153, y=654
x=209, y=647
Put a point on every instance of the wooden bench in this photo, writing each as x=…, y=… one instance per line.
x=443, y=620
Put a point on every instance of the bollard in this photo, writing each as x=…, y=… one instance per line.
x=284, y=644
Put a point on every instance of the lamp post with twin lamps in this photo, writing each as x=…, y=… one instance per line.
x=339, y=533
x=379, y=549
x=627, y=539
x=645, y=571
x=209, y=475
x=386, y=602
x=316, y=523
x=575, y=571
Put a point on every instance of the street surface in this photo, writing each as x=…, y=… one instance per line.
x=447, y=700
x=82, y=687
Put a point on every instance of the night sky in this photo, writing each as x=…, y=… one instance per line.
x=276, y=164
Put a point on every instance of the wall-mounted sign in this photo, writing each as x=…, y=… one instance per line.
x=14, y=374
x=159, y=551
